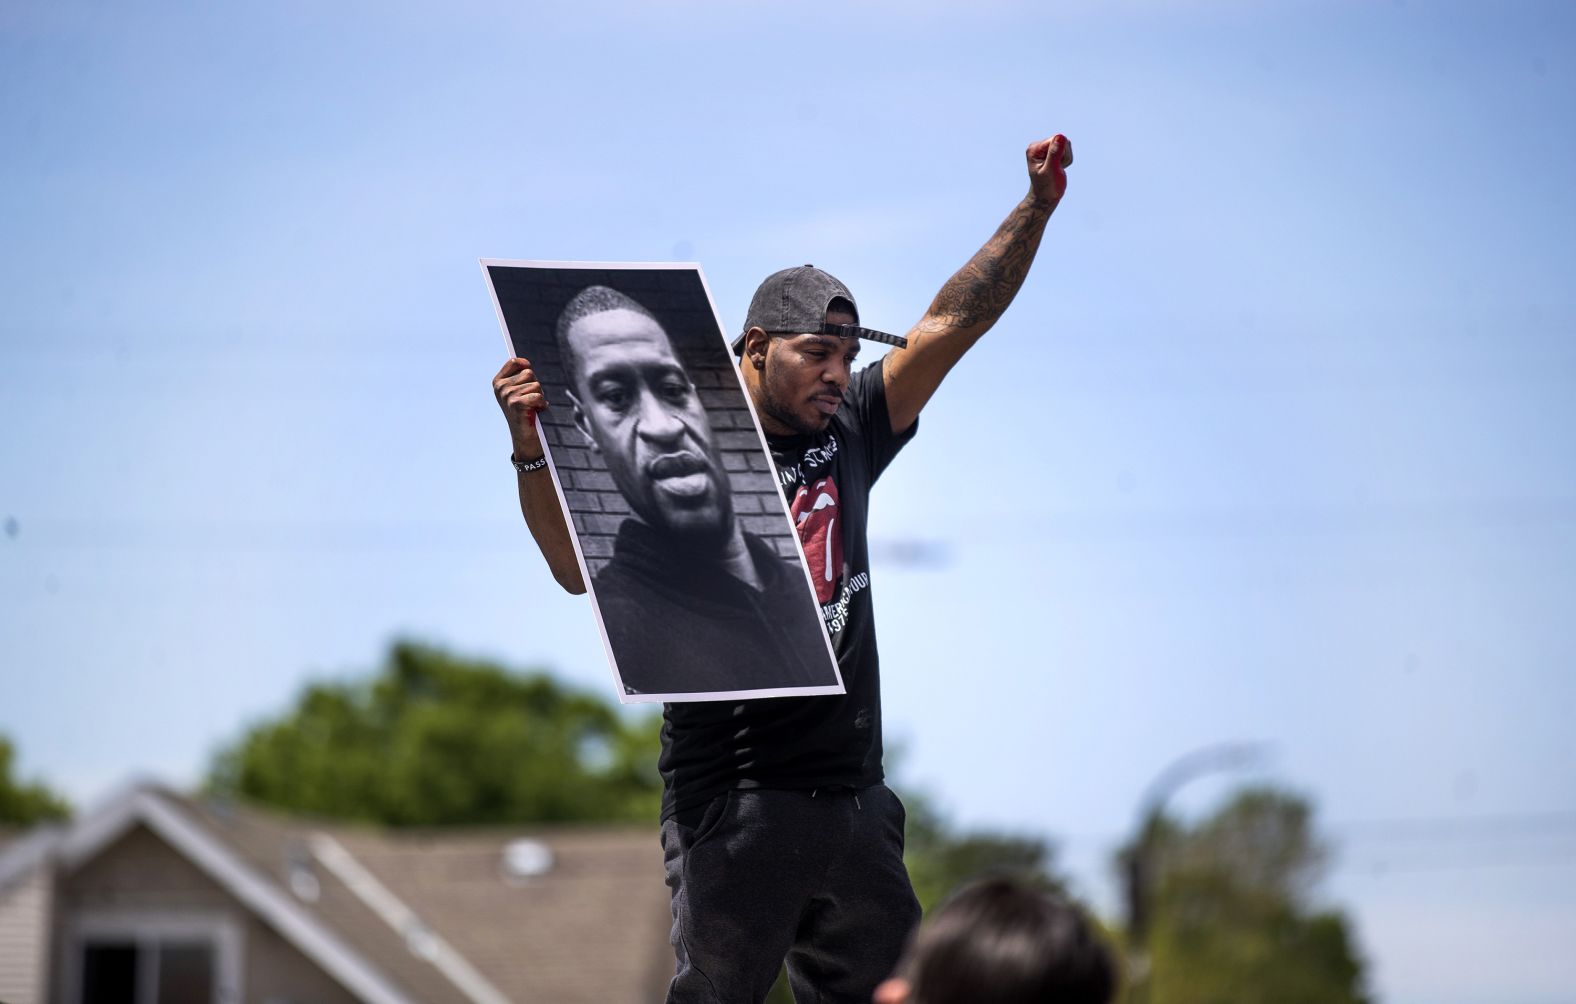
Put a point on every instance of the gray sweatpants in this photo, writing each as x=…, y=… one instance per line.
x=768, y=875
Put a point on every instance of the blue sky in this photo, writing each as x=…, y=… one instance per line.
x=1278, y=442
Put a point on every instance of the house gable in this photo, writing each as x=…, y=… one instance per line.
x=140, y=883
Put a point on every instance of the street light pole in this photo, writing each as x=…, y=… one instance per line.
x=1139, y=867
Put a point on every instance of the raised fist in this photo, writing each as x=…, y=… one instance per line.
x=1048, y=163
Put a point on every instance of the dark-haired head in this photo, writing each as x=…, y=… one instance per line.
x=589, y=301
x=634, y=401
x=999, y=941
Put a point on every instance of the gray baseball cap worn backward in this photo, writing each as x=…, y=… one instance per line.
x=794, y=301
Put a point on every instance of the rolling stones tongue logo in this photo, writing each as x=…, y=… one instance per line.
x=815, y=512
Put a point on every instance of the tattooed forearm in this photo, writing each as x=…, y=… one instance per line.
x=974, y=298
x=979, y=293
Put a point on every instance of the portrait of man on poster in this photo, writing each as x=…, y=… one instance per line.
x=691, y=602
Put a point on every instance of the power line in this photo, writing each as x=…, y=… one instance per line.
x=1548, y=830
x=1552, y=822
x=989, y=529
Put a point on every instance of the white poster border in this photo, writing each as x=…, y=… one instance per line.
x=574, y=536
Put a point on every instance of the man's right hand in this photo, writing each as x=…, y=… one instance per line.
x=520, y=396
x=1049, y=160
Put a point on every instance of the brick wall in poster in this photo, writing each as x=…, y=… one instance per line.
x=532, y=299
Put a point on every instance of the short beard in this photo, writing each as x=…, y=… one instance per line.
x=709, y=537
x=771, y=404
x=705, y=538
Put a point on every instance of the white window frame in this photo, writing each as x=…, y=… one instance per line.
x=148, y=929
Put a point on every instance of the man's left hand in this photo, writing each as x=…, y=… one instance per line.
x=1048, y=163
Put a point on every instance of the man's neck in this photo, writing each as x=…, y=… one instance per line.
x=736, y=558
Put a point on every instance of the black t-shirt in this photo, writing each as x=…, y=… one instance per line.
x=805, y=742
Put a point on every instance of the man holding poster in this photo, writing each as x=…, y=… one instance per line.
x=781, y=841
x=697, y=578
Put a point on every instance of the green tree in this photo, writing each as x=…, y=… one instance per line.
x=25, y=804
x=940, y=857
x=434, y=738
x=1232, y=917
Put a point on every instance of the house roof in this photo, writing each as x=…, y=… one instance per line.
x=409, y=916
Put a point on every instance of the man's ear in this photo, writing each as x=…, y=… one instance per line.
x=755, y=342
x=893, y=991
x=581, y=422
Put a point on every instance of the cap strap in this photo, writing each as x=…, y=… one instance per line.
x=870, y=334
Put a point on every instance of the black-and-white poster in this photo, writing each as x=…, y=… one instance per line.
x=685, y=543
